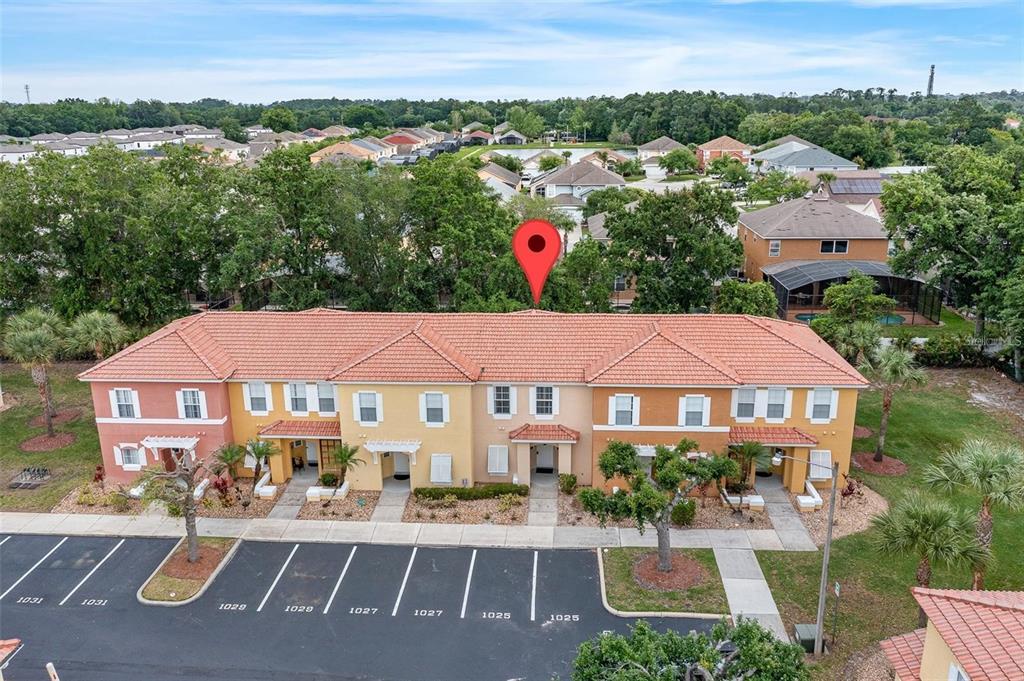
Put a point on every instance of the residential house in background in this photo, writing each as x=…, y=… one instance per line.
x=253, y=131
x=858, y=189
x=577, y=180
x=722, y=146
x=470, y=127
x=432, y=399
x=510, y=137
x=793, y=155
x=502, y=174
x=478, y=137
x=227, y=149
x=345, y=148
x=605, y=158
x=970, y=636
x=531, y=166
x=17, y=153
x=405, y=142
x=500, y=128
x=652, y=168
x=658, y=147
x=339, y=131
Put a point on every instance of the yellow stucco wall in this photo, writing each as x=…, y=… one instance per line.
x=936, y=657
x=401, y=421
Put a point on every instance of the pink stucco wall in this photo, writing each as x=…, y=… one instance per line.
x=158, y=401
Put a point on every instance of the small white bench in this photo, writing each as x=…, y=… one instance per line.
x=810, y=501
x=754, y=502
x=316, y=493
x=264, y=490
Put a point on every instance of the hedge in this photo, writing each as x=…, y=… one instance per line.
x=469, y=493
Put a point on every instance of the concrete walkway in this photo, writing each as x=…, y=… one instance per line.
x=543, y=500
x=785, y=519
x=383, y=532
x=746, y=589
x=391, y=503
x=294, y=496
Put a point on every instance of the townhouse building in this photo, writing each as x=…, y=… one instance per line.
x=462, y=399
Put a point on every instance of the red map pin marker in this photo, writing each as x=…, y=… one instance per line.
x=537, y=245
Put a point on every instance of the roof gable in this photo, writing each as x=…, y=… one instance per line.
x=663, y=143
x=817, y=216
x=725, y=143
x=418, y=354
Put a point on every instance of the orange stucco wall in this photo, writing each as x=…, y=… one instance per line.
x=755, y=251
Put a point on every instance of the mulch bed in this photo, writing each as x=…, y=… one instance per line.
x=45, y=443
x=60, y=418
x=887, y=466
x=862, y=432
x=686, y=573
x=348, y=508
x=475, y=512
x=213, y=507
x=209, y=558
x=102, y=496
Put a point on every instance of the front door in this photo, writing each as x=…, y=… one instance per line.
x=545, y=459
x=401, y=465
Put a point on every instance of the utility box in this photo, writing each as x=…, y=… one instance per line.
x=805, y=636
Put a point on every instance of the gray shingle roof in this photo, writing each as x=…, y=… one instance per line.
x=814, y=157
x=583, y=173
x=663, y=143
x=504, y=174
x=817, y=217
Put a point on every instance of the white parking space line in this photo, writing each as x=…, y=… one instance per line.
x=469, y=580
x=533, y=590
x=278, y=578
x=5, y=540
x=340, y=577
x=38, y=563
x=94, y=569
x=408, y=569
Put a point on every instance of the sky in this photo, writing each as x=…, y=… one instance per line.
x=271, y=50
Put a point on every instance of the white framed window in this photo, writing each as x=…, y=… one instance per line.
x=501, y=400
x=623, y=415
x=434, y=409
x=441, y=469
x=129, y=456
x=693, y=410
x=821, y=405
x=325, y=399
x=745, y=400
x=191, y=404
x=956, y=673
x=544, y=400
x=835, y=246
x=776, y=409
x=774, y=248
x=124, y=403
x=367, y=408
x=257, y=398
x=820, y=466
x=497, y=459
x=298, y=398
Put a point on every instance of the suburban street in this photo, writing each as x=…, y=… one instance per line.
x=282, y=610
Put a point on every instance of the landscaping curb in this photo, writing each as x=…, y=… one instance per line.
x=194, y=597
x=656, y=613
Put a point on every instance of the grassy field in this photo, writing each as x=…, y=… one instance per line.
x=625, y=594
x=70, y=466
x=876, y=602
x=681, y=177
x=951, y=323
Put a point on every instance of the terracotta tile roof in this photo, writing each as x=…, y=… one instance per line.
x=984, y=629
x=283, y=428
x=524, y=346
x=8, y=646
x=725, y=143
x=402, y=139
x=768, y=435
x=904, y=654
x=538, y=432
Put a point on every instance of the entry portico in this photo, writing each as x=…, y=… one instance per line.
x=534, y=443
x=311, y=442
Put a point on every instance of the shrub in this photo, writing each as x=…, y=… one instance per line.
x=506, y=502
x=86, y=497
x=117, y=501
x=952, y=350
x=328, y=479
x=175, y=511
x=222, y=486
x=99, y=474
x=567, y=483
x=684, y=512
x=470, y=493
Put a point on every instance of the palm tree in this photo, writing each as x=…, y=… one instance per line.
x=825, y=178
x=751, y=455
x=990, y=469
x=346, y=457
x=890, y=370
x=260, y=450
x=933, y=532
x=857, y=340
x=100, y=333
x=35, y=349
x=37, y=318
x=228, y=457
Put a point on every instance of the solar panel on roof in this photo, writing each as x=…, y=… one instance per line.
x=856, y=186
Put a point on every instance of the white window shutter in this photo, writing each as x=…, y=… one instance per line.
x=490, y=399
x=355, y=407
x=379, y=401
x=533, y=401
x=809, y=411
x=117, y=456
x=113, y=403
x=761, y=403
x=179, y=399
x=423, y=407
x=706, y=419
x=636, y=410
x=733, y=408
x=681, y=409
x=513, y=399
x=312, y=398
x=142, y=456
x=834, y=405
x=445, y=407
x=246, y=397
x=497, y=459
x=250, y=461
x=269, y=392
x=135, y=402
x=554, y=401
x=611, y=410
x=202, y=404
x=788, y=409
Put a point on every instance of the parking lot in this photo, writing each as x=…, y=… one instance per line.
x=286, y=610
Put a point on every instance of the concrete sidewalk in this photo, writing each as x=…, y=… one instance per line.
x=746, y=589
x=421, y=534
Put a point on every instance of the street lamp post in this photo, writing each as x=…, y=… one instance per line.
x=819, y=626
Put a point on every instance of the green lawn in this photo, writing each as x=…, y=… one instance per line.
x=625, y=594
x=70, y=466
x=952, y=323
x=681, y=177
x=876, y=601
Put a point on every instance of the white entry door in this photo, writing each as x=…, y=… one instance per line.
x=546, y=456
x=313, y=452
x=401, y=463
